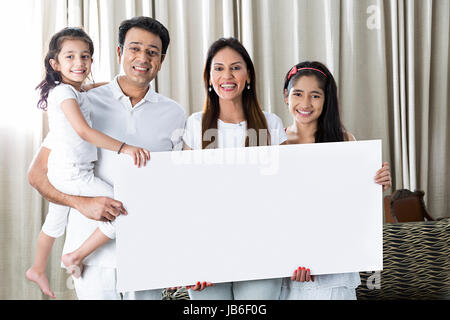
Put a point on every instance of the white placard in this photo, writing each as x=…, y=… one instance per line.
x=248, y=213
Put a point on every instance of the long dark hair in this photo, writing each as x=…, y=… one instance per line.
x=52, y=77
x=252, y=111
x=329, y=126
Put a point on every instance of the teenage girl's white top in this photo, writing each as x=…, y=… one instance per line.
x=69, y=147
x=231, y=135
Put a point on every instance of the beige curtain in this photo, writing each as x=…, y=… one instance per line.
x=390, y=60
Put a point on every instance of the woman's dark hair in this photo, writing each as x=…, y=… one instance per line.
x=52, y=77
x=329, y=126
x=146, y=23
x=252, y=111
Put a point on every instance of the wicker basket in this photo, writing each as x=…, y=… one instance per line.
x=416, y=262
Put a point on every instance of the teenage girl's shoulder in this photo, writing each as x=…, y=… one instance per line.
x=349, y=136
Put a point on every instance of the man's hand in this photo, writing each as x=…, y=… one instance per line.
x=99, y=208
x=96, y=208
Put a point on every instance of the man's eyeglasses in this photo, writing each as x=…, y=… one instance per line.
x=135, y=50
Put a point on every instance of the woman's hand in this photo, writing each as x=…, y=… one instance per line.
x=139, y=155
x=302, y=275
x=200, y=286
x=383, y=176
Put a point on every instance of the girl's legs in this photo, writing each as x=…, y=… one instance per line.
x=37, y=271
x=53, y=227
x=73, y=260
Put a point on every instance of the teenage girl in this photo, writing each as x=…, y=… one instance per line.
x=310, y=93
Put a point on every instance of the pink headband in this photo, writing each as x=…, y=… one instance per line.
x=294, y=71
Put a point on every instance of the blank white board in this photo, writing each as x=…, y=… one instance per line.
x=248, y=213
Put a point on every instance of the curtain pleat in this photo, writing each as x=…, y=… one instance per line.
x=438, y=190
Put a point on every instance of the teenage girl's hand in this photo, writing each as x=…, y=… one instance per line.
x=139, y=155
x=200, y=286
x=383, y=176
x=302, y=275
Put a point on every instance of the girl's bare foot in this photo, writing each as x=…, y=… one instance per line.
x=73, y=264
x=40, y=278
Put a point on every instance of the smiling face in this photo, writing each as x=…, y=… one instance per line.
x=141, y=56
x=305, y=100
x=228, y=75
x=73, y=62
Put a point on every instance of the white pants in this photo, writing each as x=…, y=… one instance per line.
x=336, y=293
x=325, y=287
x=79, y=180
x=99, y=283
x=266, y=289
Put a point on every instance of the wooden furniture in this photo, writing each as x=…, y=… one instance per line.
x=405, y=206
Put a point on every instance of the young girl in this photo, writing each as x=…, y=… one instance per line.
x=232, y=112
x=311, y=95
x=70, y=165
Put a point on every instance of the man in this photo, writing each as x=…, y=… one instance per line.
x=129, y=110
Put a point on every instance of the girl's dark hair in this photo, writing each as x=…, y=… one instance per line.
x=329, y=126
x=146, y=23
x=253, y=114
x=52, y=77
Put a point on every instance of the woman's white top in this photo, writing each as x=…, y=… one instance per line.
x=231, y=135
x=67, y=146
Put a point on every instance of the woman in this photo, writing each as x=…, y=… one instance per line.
x=311, y=95
x=232, y=117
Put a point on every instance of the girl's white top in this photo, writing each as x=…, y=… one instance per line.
x=231, y=135
x=67, y=146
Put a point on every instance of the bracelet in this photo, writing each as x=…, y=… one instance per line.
x=120, y=149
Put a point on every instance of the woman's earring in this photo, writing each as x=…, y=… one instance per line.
x=209, y=88
x=248, y=86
